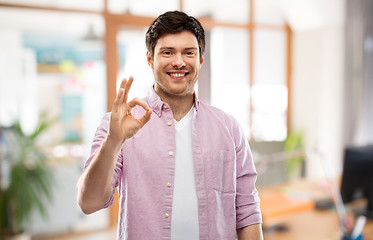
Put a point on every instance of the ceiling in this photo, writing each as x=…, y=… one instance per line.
x=299, y=14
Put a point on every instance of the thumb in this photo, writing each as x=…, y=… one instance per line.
x=146, y=117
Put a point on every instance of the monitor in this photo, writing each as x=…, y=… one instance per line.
x=357, y=177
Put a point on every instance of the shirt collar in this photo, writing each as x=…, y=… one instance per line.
x=155, y=102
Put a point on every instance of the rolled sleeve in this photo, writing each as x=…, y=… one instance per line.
x=247, y=199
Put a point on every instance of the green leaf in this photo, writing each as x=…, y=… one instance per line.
x=31, y=181
x=294, y=142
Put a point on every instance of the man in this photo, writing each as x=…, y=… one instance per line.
x=183, y=169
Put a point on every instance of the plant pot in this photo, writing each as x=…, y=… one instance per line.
x=21, y=236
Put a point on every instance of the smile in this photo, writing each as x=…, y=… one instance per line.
x=177, y=74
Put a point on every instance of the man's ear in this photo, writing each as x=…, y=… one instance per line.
x=202, y=60
x=150, y=60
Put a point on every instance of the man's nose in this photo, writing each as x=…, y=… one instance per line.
x=178, y=61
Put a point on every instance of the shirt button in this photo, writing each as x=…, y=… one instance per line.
x=169, y=184
x=158, y=112
x=165, y=106
x=166, y=215
x=171, y=153
x=169, y=123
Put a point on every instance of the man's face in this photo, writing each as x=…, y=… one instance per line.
x=176, y=64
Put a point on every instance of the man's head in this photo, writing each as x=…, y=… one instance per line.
x=171, y=23
x=175, y=45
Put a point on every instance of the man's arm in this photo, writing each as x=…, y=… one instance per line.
x=251, y=232
x=248, y=215
x=95, y=184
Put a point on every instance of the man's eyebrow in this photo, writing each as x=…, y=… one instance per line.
x=191, y=48
x=171, y=48
x=166, y=48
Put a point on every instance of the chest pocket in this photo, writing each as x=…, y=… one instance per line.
x=221, y=170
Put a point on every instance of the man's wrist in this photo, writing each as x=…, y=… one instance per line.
x=113, y=144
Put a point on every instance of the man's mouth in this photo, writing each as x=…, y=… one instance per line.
x=177, y=74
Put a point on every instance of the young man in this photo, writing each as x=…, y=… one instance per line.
x=183, y=169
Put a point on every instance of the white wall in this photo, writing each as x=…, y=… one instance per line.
x=318, y=85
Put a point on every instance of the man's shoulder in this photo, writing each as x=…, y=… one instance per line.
x=219, y=119
x=216, y=112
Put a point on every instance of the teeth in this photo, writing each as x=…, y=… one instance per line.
x=177, y=74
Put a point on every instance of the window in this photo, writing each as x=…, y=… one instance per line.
x=246, y=73
x=269, y=90
x=230, y=88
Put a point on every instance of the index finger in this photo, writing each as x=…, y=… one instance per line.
x=127, y=88
x=137, y=101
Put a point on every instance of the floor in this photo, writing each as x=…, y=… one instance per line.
x=96, y=235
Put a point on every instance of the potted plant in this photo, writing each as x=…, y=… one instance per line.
x=293, y=146
x=28, y=181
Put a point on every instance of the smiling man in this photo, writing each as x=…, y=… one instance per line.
x=183, y=169
x=176, y=62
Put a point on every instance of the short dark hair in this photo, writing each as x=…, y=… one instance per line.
x=174, y=22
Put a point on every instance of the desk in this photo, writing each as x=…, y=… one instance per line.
x=307, y=224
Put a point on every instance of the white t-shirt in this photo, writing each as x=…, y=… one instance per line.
x=184, y=221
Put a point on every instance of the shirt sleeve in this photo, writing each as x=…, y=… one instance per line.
x=100, y=135
x=247, y=199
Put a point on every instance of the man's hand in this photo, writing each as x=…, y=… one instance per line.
x=122, y=124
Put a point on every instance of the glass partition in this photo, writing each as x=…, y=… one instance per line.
x=230, y=88
x=132, y=61
x=54, y=63
x=269, y=90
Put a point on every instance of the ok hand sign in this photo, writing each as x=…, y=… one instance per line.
x=122, y=124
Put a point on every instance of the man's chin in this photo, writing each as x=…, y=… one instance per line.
x=176, y=92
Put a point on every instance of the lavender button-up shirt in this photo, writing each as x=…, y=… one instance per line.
x=145, y=170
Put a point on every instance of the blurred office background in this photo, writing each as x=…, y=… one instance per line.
x=283, y=68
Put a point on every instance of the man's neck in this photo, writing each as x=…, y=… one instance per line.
x=180, y=105
x=180, y=109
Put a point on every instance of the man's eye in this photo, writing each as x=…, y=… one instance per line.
x=191, y=53
x=167, y=53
